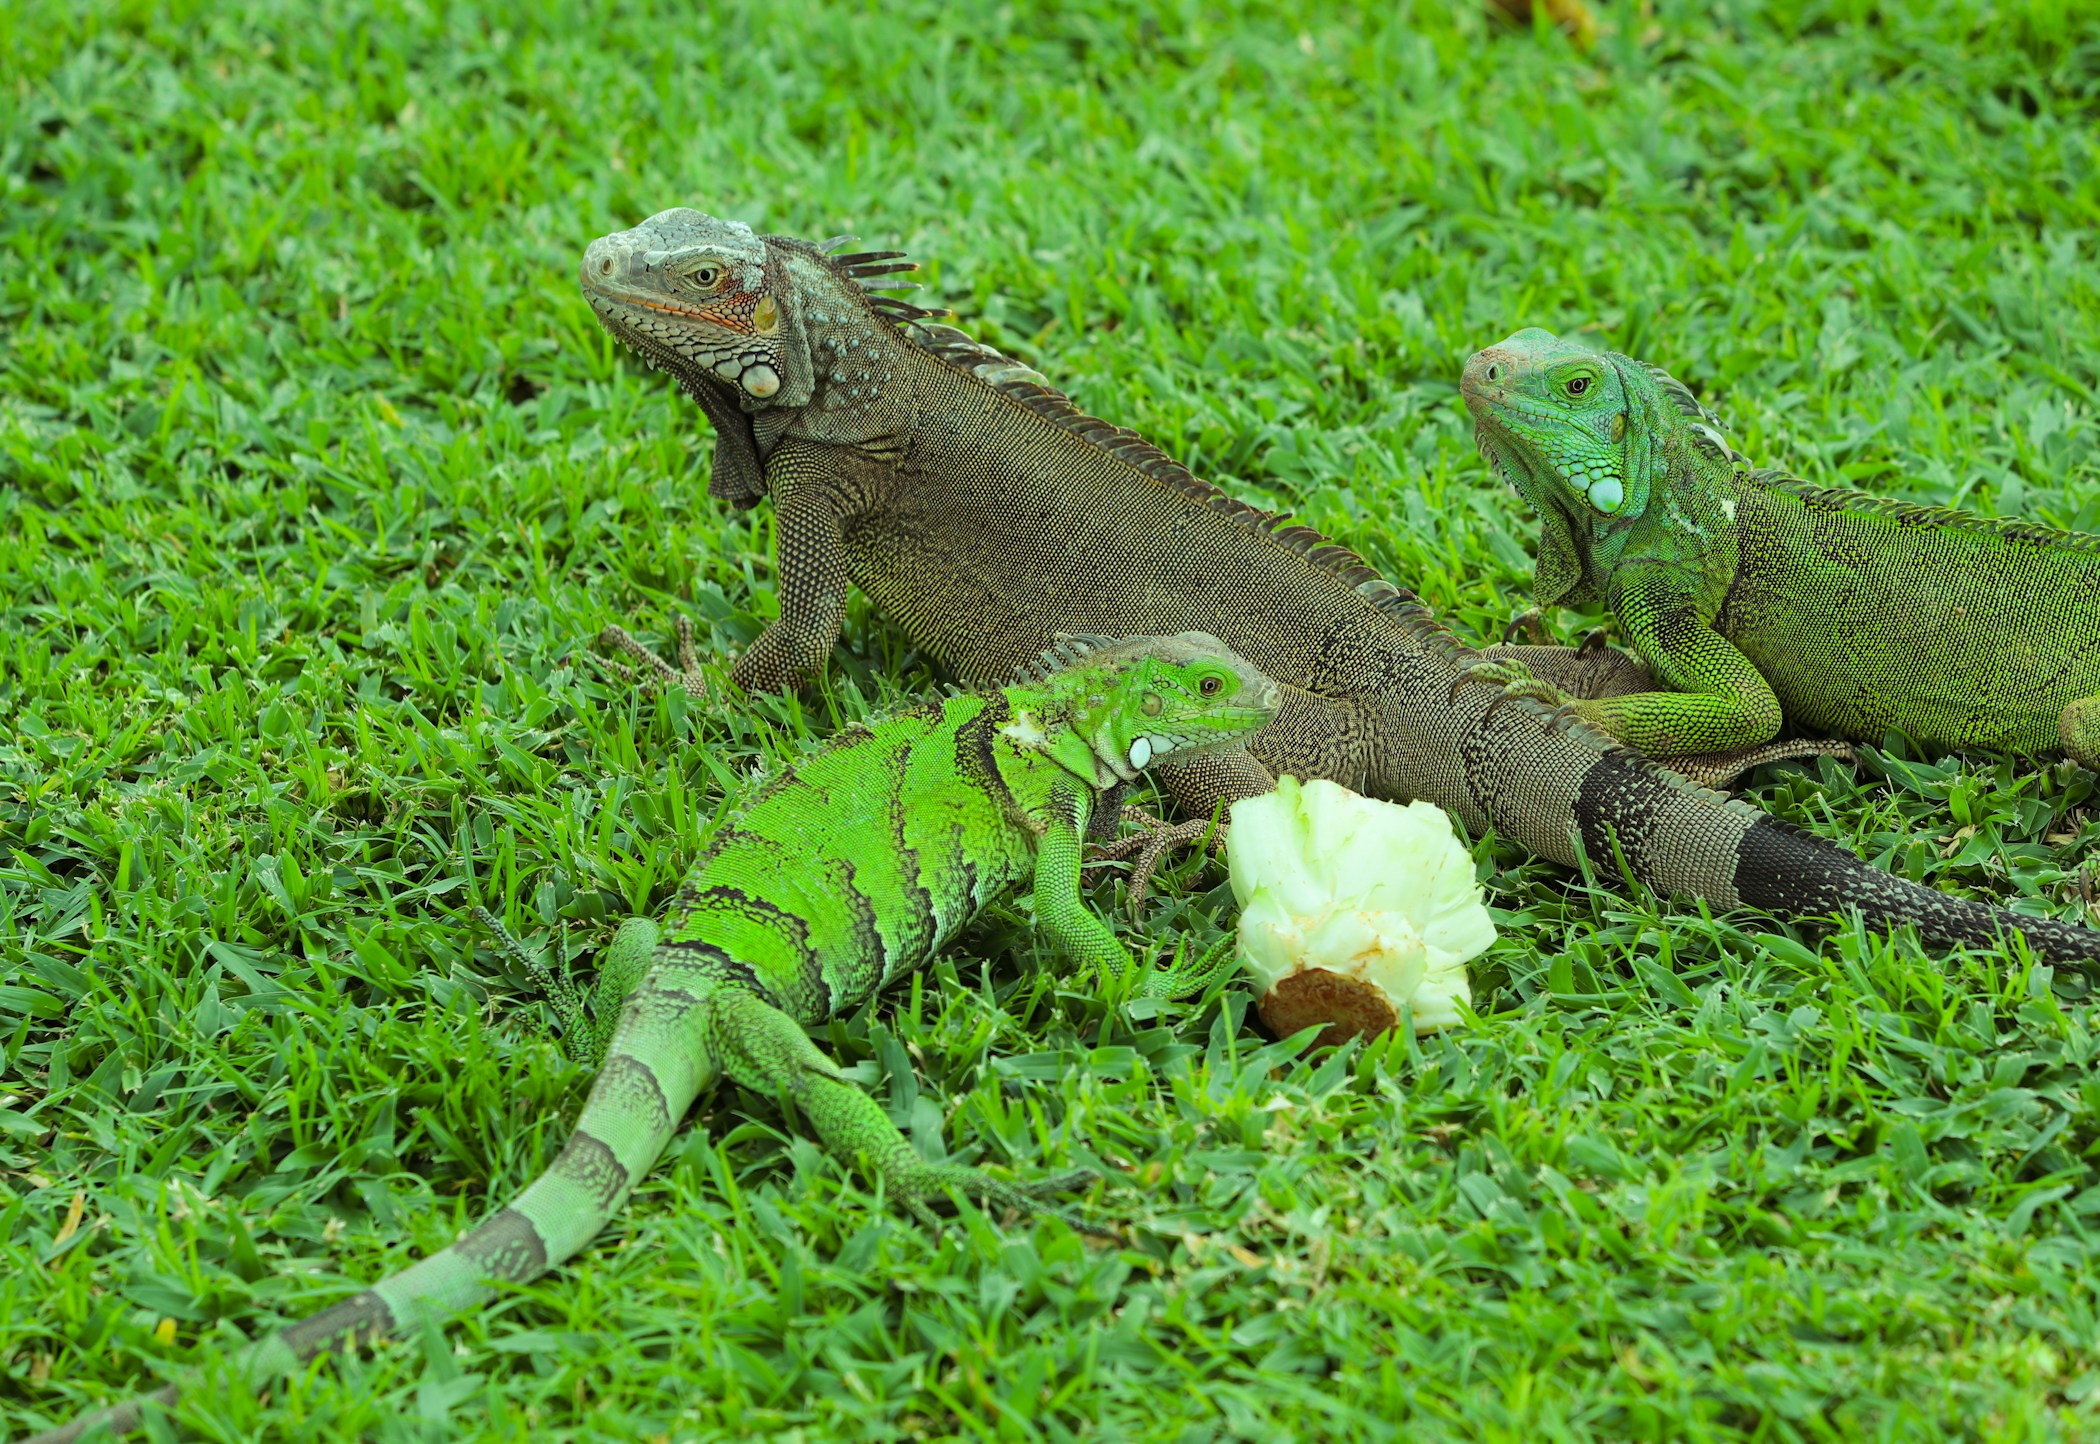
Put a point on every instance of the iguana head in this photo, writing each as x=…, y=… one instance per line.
x=1109, y=709
x=758, y=329
x=700, y=298
x=1580, y=435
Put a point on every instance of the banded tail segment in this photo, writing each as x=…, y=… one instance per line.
x=661, y=1058
x=1781, y=869
x=1681, y=838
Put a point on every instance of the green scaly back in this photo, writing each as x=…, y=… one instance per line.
x=849, y=869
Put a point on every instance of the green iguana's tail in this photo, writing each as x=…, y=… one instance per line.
x=659, y=1061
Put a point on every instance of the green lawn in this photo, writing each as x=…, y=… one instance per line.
x=315, y=473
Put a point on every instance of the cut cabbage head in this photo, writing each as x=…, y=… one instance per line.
x=1351, y=909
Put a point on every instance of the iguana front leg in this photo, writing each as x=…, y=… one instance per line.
x=1718, y=701
x=1148, y=848
x=1205, y=786
x=1078, y=932
x=1502, y=667
x=810, y=564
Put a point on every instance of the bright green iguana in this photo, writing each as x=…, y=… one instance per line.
x=983, y=512
x=1759, y=598
x=853, y=867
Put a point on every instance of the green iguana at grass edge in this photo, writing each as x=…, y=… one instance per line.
x=853, y=867
x=983, y=512
x=1760, y=599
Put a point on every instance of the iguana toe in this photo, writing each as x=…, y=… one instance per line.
x=650, y=668
x=1530, y=624
x=1515, y=679
x=1183, y=978
x=929, y=1180
x=1149, y=848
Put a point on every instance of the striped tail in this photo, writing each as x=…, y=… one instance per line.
x=1680, y=838
x=659, y=1061
x=1784, y=870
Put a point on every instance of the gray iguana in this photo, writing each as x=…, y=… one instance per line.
x=982, y=512
x=841, y=875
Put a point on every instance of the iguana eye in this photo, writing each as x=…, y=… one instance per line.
x=1209, y=686
x=706, y=277
x=1577, y=385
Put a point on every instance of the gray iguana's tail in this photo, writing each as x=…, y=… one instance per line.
x=659, y=1061
x=1678, y=837
x=1781, y=869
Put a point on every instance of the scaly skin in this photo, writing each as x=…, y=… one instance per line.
x=1759, y=599
x=983, y=513
x=852, y=868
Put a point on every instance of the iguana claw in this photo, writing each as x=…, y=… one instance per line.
x=1531, y=622
x=1149, y=848
x=652, y=668
x=587, y=1018
x=1037, y=1197
x=1515, y=680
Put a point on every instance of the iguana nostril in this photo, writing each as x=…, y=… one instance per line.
x=605, y=266
x=1494, y=373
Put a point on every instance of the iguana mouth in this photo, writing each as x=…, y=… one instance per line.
x=604, y=300
x=691, y=313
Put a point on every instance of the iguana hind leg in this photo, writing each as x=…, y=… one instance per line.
x=587, y=1020
x=766, y=1051
x=2079, y=730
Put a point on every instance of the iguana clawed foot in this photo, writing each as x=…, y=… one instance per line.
x=1708, y=769
x=652, y=668
x=1186, y=977
x=587, y=1019
x=1147, y=849
x=916, y=1184
x=1530, y=626
x=1516, y=680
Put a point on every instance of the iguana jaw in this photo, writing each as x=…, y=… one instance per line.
x=692, y=295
